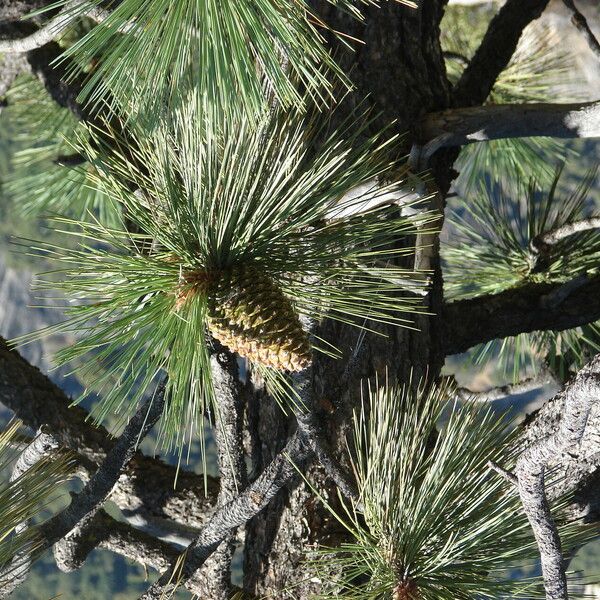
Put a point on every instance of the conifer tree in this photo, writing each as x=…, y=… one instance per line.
x=270, y=223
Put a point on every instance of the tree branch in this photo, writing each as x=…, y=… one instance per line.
x=249, y=503
x=146, y=486
x=496, y=50
x=104, y=479
x=216, y=572
x=102, y=531
x=580, y=395
x=460, y=126
x=496, y=393
x=87, y=502
x=45, y=34
x=15, y=573
x=581, y=23
x=528, y=307
x=557, y=235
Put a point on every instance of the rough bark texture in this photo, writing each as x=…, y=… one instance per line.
x=578, y=398
x=400, y=71
x=215, y=575
x=400, y=67
x=529, y=307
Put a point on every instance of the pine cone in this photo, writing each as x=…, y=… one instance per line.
x=250, y=315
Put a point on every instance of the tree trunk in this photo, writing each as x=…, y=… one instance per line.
x=400, y=67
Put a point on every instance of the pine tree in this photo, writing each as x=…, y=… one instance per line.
x=261, y=242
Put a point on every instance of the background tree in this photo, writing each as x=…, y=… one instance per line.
x=248, y=246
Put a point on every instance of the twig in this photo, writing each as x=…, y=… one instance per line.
x=579, y=397
x=226, y=519
x=100, y=485
x=45, y=34
x=106, y=533
x=551, y=238
x=311, y=432
x=582, y=25
x=506, y=475
x=521, y=387
x=58, y=24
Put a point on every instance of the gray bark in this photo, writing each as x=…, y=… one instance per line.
x=578, y=399
x=227, y=518
x=15, y=573
x=86, y=503
x=45, y=34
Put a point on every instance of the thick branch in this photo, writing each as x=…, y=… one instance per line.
x=579, y=397
x=84, y=504
x=457, y=127
x=255, y=498
x=104, y=532
x=581, y=23
x=496, y=50
x=528, y=307
x=216, y=572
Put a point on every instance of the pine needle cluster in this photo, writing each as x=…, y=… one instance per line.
x=149, y=54
x=494, y=230
x=39, y=181
x=436, y=523
x=242, y=231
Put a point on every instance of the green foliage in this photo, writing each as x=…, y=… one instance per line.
x=436, y=523
x=493, y=233
x=43, y=132
x=264, y=198
x=150, y=53
x=25, y=497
